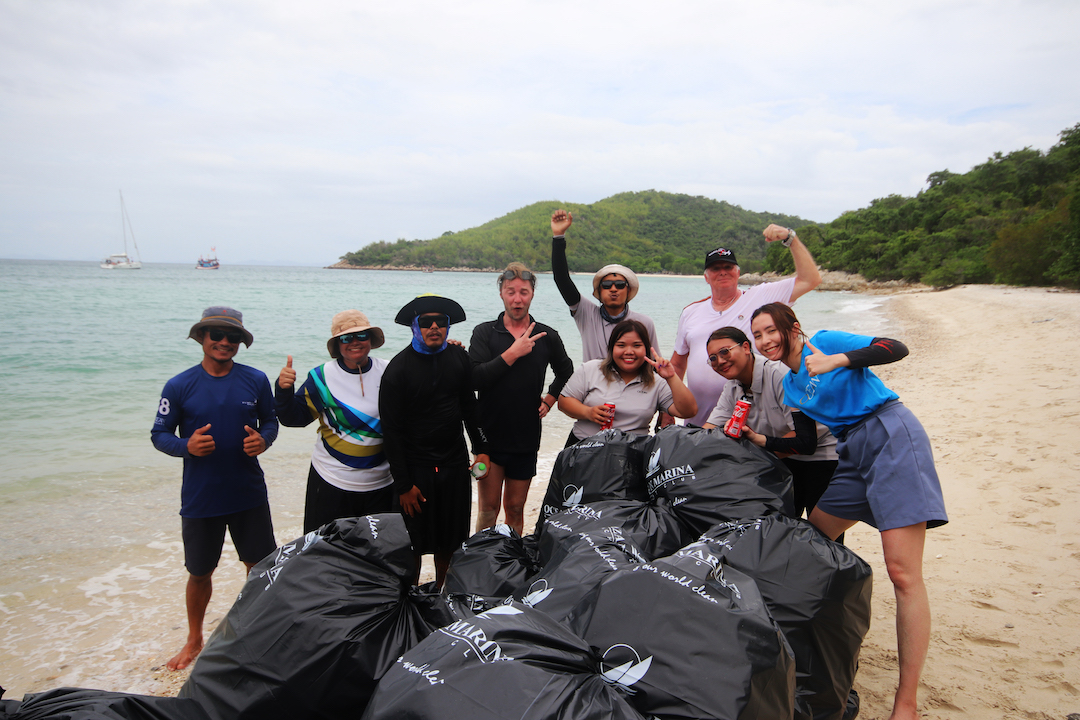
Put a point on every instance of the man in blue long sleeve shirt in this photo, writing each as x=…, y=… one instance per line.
x=225, y=414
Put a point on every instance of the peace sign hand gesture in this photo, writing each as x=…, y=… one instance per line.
x=662, y=367
x=523, y=345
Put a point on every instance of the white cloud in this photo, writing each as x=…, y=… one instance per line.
x=283, y=131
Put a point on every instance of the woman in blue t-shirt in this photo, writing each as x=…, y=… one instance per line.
x=886, y=474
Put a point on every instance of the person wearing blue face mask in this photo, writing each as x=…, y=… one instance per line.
x=425, y=400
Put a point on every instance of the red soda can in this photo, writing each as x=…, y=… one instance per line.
x=607, y=425
x=738, y=419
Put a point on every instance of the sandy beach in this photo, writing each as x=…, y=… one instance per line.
x=991, y=377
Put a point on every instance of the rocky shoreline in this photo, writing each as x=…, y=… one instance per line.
x=830, y=279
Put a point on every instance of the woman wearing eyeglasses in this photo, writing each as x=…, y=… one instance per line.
x=808, y=448
x=628, y=379
x=349, y=475
x=885, y=476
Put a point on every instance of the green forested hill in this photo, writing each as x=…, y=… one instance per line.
x=648, y=231
x=1014, y=219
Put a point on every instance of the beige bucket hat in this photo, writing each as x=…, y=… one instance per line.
x=626, y=272
x=350, y=321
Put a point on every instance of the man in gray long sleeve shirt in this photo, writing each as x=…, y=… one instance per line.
x=613, y=285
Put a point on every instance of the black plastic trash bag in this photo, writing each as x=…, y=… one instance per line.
x=509, y=662
x=317, y=624
x=79, y=704
x=606, y=466
x=438, y=609
x=491, y=564
x=690, y=639
x=818, y=592
x=576, y=568
x=709, y=478
x=651, y=527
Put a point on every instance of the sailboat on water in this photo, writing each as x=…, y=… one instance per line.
x=122, y=261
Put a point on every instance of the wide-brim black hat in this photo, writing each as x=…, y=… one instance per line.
x=424, y=304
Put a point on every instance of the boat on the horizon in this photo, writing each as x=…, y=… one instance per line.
x=210, y=263
x=122, y=261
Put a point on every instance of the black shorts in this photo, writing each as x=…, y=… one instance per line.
x=443, y=522
x=516, y=466
x=252, y=534
x=325, y=502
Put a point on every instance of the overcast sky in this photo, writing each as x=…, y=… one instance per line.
x=293, y=132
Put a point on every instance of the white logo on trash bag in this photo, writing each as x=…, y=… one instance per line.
x=671, y=475
x=502, y=610
x=486, y=650
x=572, y=495
x=700, y=554
x=654, y=464
x=537, y=592
x=630, y=667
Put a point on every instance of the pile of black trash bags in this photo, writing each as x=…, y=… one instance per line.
x=666, y=578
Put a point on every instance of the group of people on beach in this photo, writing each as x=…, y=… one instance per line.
x=855, y=452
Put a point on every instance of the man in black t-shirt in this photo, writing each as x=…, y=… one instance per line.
x=510, y=356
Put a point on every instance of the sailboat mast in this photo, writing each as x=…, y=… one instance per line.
x=126, y=223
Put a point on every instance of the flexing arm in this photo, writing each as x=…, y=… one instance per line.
x=560, y=223
x=807, y=276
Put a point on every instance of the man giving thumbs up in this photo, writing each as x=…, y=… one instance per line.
x=225, y=414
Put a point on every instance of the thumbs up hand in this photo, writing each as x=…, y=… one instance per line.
x=201, y=442
x=819, y=363
x=254, y=443
x=287, y=376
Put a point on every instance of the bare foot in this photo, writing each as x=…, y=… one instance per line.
x=904, y=711
x=186, y=656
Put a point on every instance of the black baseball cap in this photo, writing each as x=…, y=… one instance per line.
x=720, y=255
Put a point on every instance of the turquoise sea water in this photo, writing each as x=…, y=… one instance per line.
x=91, y=571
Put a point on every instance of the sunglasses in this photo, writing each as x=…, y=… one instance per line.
x=217, y=335
x=617, y=284
x=722, y=353
x=511, y=274
x=426, y=321
x=354, y=337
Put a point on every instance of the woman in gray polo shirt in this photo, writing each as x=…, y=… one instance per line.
x=627, y=379
x=807, y=448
